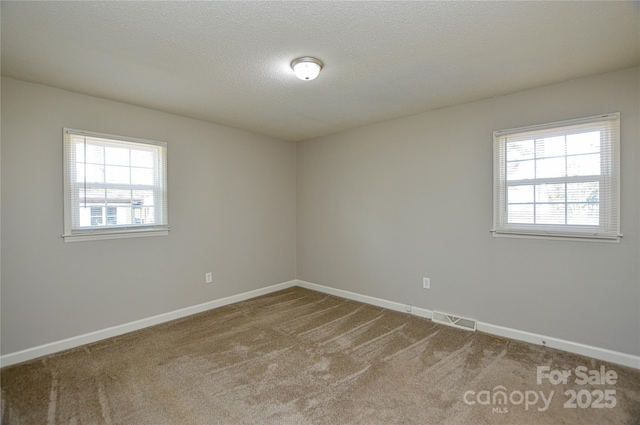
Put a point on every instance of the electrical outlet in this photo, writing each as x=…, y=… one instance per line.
x=407, y=308
x=426, y=283
x=208, y=277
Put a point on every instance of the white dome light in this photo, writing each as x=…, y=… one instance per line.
x=307, y=68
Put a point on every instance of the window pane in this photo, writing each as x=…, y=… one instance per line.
x=583, y=143
x=583, y=192
x=521, y=170
x=142, y=159
x=143, y=215
x=550, y=193
x=550, y=213
x=116, y=156
x=548, y=168
x=85, y=216
x=520, y=150
x=79, y=147
x=93, y=196
x=583, y=214
x=120, y=206
x=142, y=197
x=520, y=213
x=520, y=194
x=125, y=216
x=115, y=174
x=95, y=154
x=583, y=165
x=551, y=146
x=94, y=173
x=80, y=172
x=119, y=196
x=142, y=176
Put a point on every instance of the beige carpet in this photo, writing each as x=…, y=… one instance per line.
x=302, y=357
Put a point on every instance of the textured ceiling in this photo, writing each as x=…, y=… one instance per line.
x=228, y=62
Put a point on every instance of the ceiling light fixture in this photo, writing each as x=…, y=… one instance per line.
x=307, y=68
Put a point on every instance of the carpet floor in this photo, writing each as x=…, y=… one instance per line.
x=301, y=357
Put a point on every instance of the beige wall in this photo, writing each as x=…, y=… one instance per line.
x=381, y=206
x=377, y=209
x=232, y=212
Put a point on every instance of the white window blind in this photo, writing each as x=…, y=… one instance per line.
x=114, y=186
x=559, y=180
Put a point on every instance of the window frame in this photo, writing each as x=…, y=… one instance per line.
x=608, y=229
x=73, y=232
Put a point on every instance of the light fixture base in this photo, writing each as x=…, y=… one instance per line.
x=307, y=68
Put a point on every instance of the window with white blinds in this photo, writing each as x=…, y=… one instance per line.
x=559, y=180
x=114, y=186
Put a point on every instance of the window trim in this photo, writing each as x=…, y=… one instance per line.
x=118, y=232
x=560, y=232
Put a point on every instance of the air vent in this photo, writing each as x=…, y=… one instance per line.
x=455, y=321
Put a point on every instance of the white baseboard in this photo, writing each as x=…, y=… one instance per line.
x=378, y=302
x=560, y=344
x=564, y=345
x=572, y=347
x=88, y=338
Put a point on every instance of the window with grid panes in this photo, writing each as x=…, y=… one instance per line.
x=558, y=180
x=114, y=186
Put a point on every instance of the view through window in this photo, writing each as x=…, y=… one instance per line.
x=114, y=185
x=559, y=179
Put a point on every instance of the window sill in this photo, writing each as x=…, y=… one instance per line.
x=556, y=237
x=95, y=236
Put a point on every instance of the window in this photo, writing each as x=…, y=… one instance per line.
x=558, y=180
x=115, y=186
